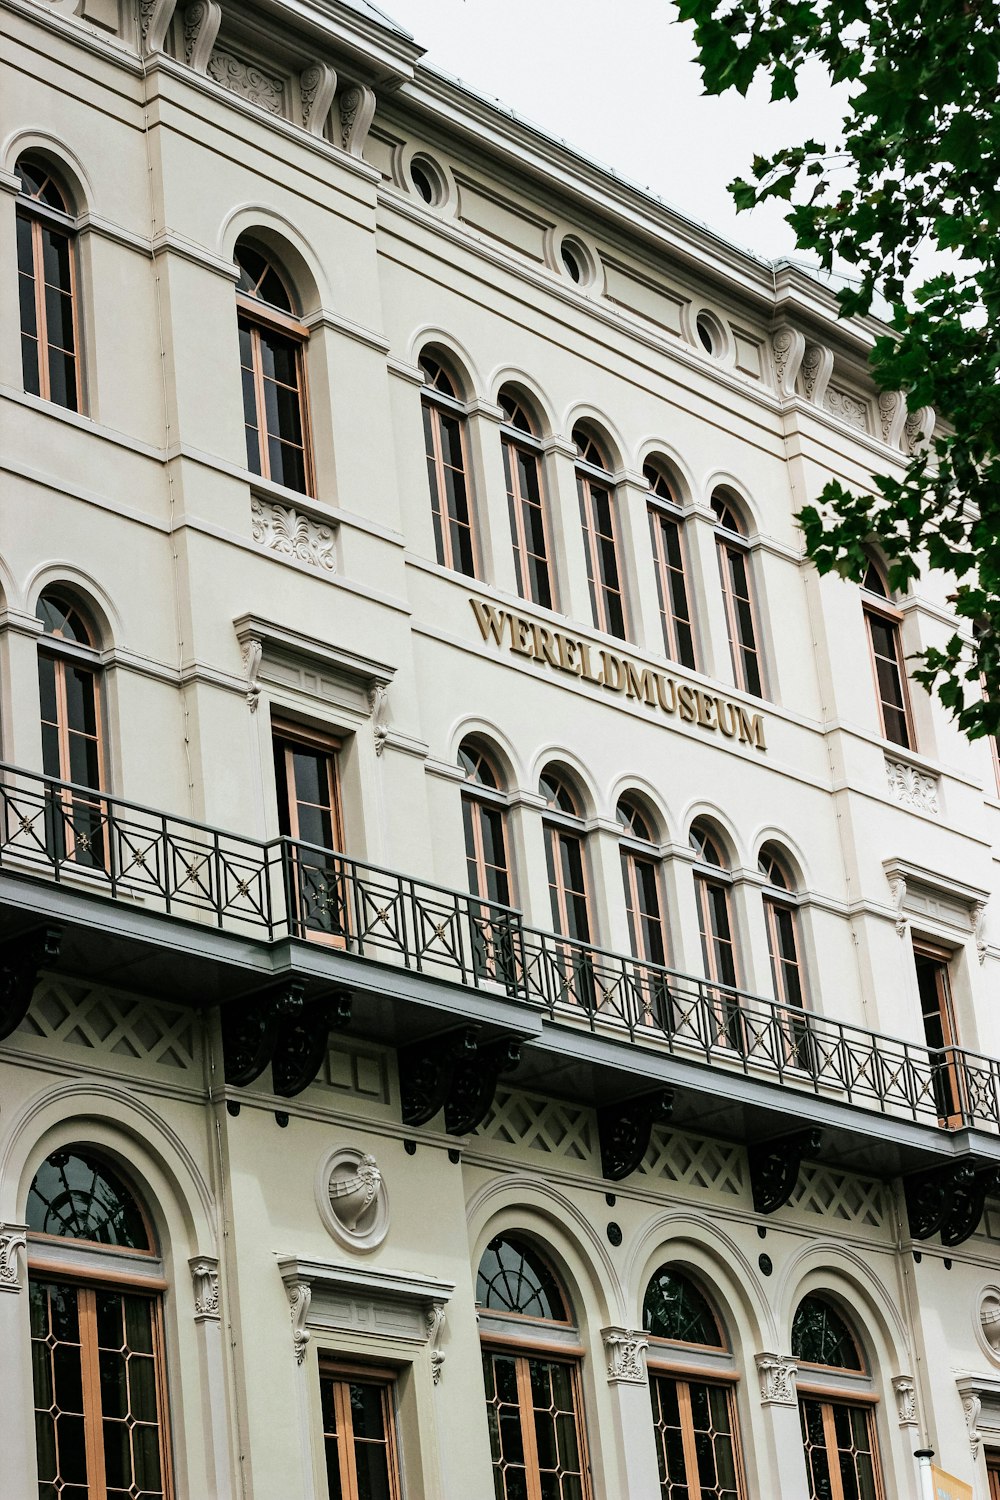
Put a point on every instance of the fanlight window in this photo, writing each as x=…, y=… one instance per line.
x=820, y=1336
x=477, y=766
x=633, y=821
x=558, y=795
x=447, y=469
x=705, y=846
x=272, y=359
x=882, y=620
x=514, y=1278
x=675, y=1309
x=79, y=1197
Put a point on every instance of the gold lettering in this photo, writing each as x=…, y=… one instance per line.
x=520, y=635
x=751, y=729
x=567, y=651
x=686, y=703
x=639, y=684
x=490, y=621
x=706, y=709
x=544, y=647
x=728, y=729
x=586, y=670
x=613, y=673
x=666, y=692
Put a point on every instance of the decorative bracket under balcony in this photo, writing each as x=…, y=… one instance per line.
x=625, y=1128
x=450, y=1071
x=474, y=1084
x=21, y=959
x=948, y=1200
x=303, y=1041
x=774, y=1167
x=279, y=1026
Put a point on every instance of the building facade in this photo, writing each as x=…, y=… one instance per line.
x=497, y=955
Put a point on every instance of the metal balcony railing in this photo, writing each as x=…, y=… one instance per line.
x=285, y=888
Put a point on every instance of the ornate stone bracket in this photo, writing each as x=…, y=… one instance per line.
x=317, y=86
x=205, y=1280
x=776, y=1373
x=201, y=27
x=356, y=104
x=474, y=1084
x=892, y=416
x=13, y=1237
x=624, y=1350
x=624, y=1130
x=906, y=1400
x=435, y=1320
x=972, y=1406
x=426, y=1070
x=154, y=19
x=815, y=372
x=948, y=1200
x=292, y=532
x=253, y=655
x=21, y=958
x=299, y=1298
x=774, y=1167
x=787, y=349
x=280, y=1027
x=919, y=429
x=897, y=890
x=378, y=701
x=303, y=1040
x=977, y=913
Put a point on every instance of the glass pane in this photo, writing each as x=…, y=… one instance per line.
x=62, y=379
x=674, y=1308
x=513, y=1277
x=80, y=1198
x=820, y=1336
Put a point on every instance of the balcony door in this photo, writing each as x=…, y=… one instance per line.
x=937, y=1013
x=307, y=782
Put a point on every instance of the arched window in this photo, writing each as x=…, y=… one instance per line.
x=737, y=594
x=882, y=622
x=641, y=876
x=522, y=462
x=665, y=530
x=96, y=1334
x=595, y=490
x=694, y=1413
x=533, y=1399
x=782, y=917
x=272, y=357
x=713, y=891
x=447, y=469
x=565, y=857
x=46, y=278
x=69, y=674
x=484, y=817
x=838, y=1429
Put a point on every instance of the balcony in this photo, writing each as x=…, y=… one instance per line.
x=292, y=940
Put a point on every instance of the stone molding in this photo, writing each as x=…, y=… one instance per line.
x=624, y=1350
x=776, y=1373
x=912, y=787
x=290, y=531
x=248, y=81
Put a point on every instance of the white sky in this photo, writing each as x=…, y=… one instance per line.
x=617, y=80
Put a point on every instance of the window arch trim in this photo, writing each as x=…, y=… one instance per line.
x=44, y=337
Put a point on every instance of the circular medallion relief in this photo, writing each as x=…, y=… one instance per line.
x=989, y=1322
x=352, y=1198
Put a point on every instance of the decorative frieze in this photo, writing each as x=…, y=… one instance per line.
x=911, y=787
x=850, y=409
x=776, y=1373
x=906, y=1400
x=292, y=533
x=248, y=81
x=624, y=1350
x=13, y=1237
x=205, y=1281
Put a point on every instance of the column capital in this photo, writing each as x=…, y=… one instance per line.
x=625, y=1349
x=13, y=1237
x=205, y=1280
x=776, y=1373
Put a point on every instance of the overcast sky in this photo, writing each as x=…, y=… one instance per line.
x=616, y=79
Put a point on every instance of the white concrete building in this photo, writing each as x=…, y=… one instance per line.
x=497, y=959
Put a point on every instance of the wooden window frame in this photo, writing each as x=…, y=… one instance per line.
x=683, y=1377
x=65, y=655
x=436, y=402
x=555, y=825
x=512, y=438
x=37, y=214
x=88, y=1282
x=827, y=1400
x=521, y=1352
x=289, y=735
x=943, y=959
x=728, y=542
x=704, y=876
x=476, y=798
x=587, y=480
x=341, y=1376
x=258, y=316
x=871, y=606
x=659, y=513
x=773, y=901
x=632, y=852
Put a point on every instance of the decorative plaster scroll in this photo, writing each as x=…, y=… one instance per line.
x=253, y=655
x=317, y=86
x=850, y=409
x=205, y=1279
x=357, y=110
x=776, y=1373
x=972, y=1405
x=291, y=533
x=378, y=696
x=897, y=889
x=13, y=1237
x=154, y=18
x=299, y=1298
x=248, y=81
x=919, y=429
x=977, y=912
x=201, y=27
x=906, y=1400
x=911, y=787
x=434, y=1317
x=787, y=349
x=814, y=375
x=892, y=415
x=624, y=1349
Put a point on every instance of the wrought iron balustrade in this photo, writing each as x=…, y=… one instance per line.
x=286, y=888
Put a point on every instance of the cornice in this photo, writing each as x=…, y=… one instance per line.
x=387, y=56
x=289, y=642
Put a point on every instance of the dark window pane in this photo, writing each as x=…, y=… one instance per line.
x=62, y=380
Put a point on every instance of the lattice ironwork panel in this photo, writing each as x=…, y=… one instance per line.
x=110, y=1022
x=860, y=1201
x=695, y=1161
x=541, y=1125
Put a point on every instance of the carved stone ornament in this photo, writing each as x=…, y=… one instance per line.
x=248, y=81
x=906, y=1400
x=776, y=1373
x=624, y=1350
x=774, y=1167
x=977, y=912
x=897, y=889
x=972, y=1405
x=154, y=18
x=815, y=372
x=201, y=26
x=291, y=533
x=787, y=349
x=205, y=1280
x=253, y=655
x=989, y=1320
x=13, y=1237
x=911, y=787
x=919, y=429
x=850, y=409
x=378, y=696
x=352, y=1198
x=317, y=86
x=434, y=1317
x=892, y=415
x=299, y=1298
x=624, y=1130
x=357, y=110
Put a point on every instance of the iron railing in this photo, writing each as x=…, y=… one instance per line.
x=286, y=888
